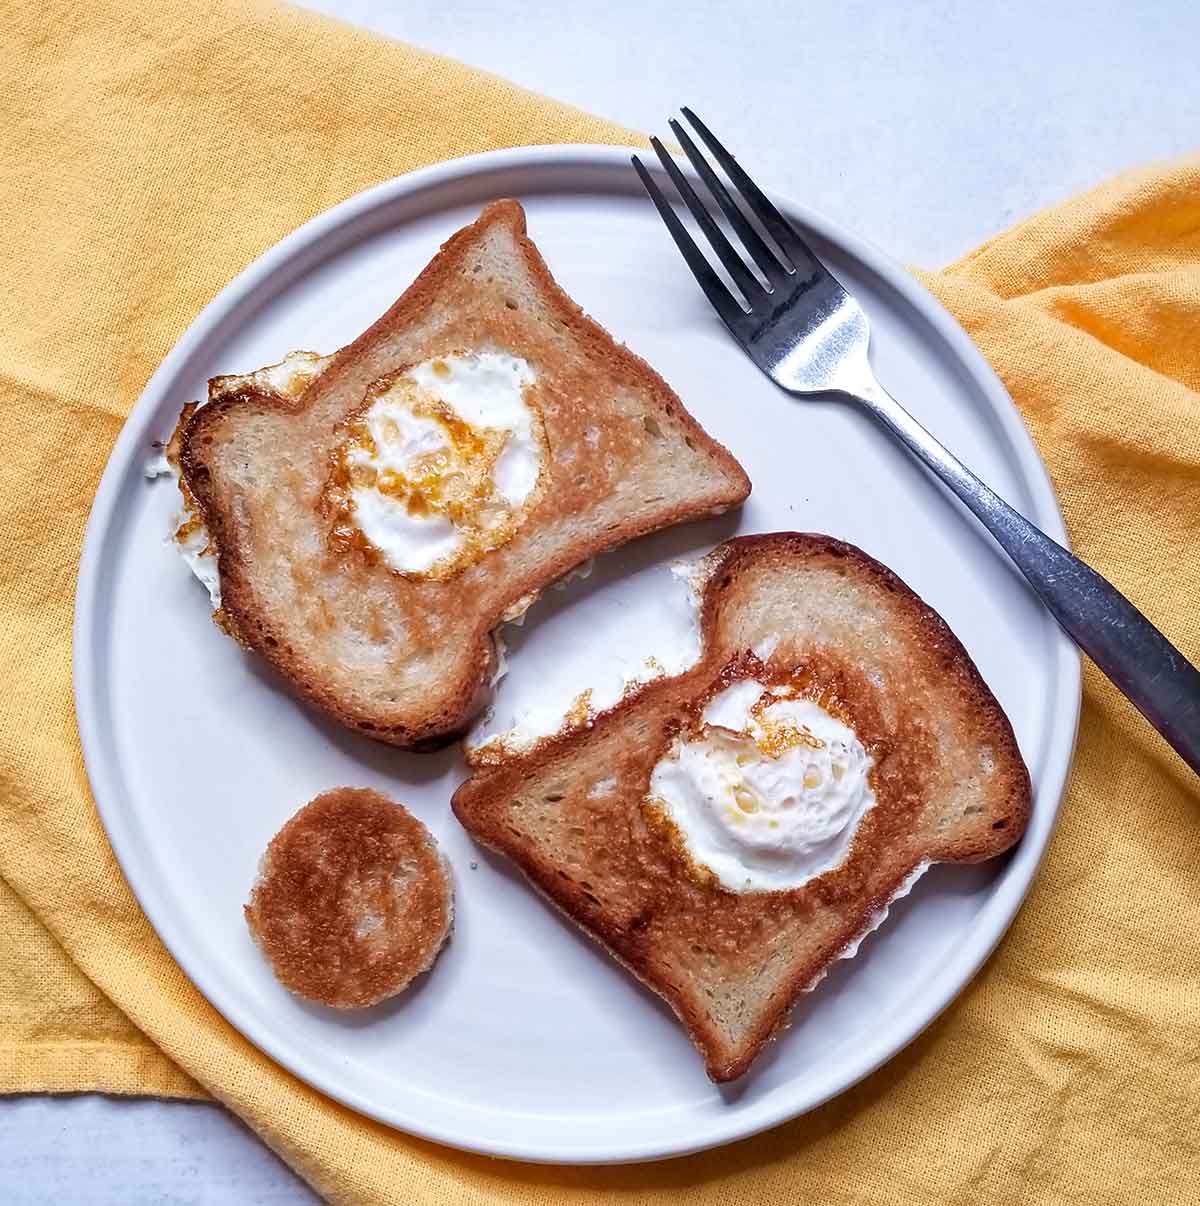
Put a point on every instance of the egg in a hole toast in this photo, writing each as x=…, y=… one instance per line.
x=728, y=833
x=365, y=520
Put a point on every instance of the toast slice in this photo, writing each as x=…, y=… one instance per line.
x=402, y=652
x=577, y=816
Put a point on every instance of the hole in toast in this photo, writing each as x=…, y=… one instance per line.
x=650, y=423
x=553, y=798
x=426, y=487
x=1002, y=824
x=690, y=442
x=509, y=304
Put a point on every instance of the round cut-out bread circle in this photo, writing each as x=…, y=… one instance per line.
x=353, y=900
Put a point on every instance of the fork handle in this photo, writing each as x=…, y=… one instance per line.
x=1160, y=682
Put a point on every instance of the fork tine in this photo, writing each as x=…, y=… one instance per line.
x=779, y=228
x=766, y=259
x=745, y=280
x=725, y=304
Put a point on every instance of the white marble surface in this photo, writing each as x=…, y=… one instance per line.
x=925, y=126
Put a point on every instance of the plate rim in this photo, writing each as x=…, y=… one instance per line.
x=1010, y=888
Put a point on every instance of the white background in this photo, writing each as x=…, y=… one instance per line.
x=925, y=127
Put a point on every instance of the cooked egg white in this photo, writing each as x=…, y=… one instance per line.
x=195, y=547
x=290, y=377
x=443, y=463
x=187, y=531
x=770, y=791
x=647, y=643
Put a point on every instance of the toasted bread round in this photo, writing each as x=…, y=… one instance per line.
x=352, y=901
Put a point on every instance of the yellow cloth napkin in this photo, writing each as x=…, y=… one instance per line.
x=149, y=152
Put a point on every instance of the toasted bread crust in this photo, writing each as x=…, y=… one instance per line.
x=949, y=781
x=462, y=612
x=353, y=900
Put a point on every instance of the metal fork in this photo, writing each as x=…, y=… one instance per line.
x=811, y=337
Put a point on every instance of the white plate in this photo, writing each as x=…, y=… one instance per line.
x=526, y=1040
